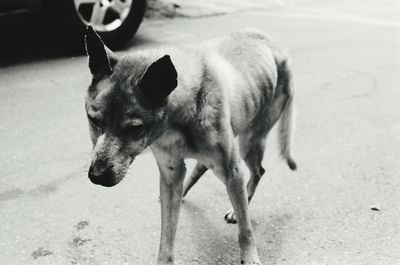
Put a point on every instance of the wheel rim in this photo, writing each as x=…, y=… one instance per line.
x=103, y=15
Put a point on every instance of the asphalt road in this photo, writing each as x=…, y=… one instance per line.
x=341, y=207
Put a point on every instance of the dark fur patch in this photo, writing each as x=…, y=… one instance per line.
x=159, y=80
x=99, y=63
x=206, y=80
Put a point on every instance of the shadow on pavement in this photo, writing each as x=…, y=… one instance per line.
x=208, y=239
x=211, y=242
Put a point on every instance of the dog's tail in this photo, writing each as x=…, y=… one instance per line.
x=286, y=125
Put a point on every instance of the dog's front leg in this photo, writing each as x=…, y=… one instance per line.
x=172, y=174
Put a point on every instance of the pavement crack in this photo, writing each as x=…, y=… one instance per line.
x=39, y=190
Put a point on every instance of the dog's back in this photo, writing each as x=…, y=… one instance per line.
x=249, y=71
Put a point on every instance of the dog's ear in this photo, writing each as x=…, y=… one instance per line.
x=101, y=59
x=159, y=80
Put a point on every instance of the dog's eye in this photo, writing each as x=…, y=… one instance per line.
x=135, y=129
x=94, y=121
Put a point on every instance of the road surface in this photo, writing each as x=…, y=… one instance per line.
x=341, y=207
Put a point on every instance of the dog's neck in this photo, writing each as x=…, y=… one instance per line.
x=182, y=112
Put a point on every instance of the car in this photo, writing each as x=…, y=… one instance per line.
x=116, y=21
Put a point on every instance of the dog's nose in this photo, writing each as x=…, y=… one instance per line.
x=104, y=177
x=100, y=167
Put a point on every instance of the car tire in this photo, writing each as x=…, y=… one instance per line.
x=67, y=21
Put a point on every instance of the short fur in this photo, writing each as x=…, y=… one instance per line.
x=215, y=102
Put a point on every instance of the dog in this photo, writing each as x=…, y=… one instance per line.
x=214, y=102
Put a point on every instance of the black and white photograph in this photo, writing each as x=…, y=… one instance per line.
x=188, y=132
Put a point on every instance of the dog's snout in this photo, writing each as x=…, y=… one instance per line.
x=99, y=168
x=102, y=175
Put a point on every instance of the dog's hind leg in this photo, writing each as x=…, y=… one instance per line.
x=253, y=161
x=252, y=151
x=252, y=145
x=229, y=169
x=197, y=172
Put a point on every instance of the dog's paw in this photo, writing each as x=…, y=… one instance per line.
x=253, y=260
x=250, y=263
x=230, y=217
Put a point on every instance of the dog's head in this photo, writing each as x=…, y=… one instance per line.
x=125, y=106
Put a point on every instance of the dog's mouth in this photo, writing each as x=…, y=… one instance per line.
x=108, y=178
x=104, y=180
x=111, y=176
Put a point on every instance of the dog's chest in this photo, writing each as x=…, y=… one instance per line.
x=175, y=143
